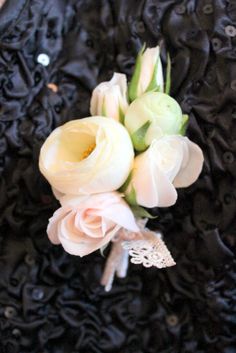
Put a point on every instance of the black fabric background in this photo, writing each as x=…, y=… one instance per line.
x=51, y=301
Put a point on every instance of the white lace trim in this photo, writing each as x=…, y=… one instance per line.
x=144, y=247
x=150, y=251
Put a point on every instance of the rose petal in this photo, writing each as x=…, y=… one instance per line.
x=120, y=214
x=152, y=186
x=73, y=201
x=58, y=195
x=93, y=230
x=52, y=228
x=84, y=247
x=168, y=154
x=189, y=173
x=143, y=182
x=166, y=192
x=68, y=229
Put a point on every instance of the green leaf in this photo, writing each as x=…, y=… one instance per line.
x=185, y=120
x=131, y=197
x=138, y=137
x=142, y=212
x=168, y=77
x=133, y=85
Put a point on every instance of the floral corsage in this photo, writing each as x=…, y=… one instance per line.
x=108, y=169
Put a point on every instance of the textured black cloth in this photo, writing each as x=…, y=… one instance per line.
x=51, y=301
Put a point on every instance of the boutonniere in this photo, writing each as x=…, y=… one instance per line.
x=107, y=170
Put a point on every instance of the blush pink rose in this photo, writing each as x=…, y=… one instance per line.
x=84, y=224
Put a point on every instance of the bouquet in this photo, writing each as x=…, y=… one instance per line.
x=107, y=170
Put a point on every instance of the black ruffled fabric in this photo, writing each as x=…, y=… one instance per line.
x=51, y=301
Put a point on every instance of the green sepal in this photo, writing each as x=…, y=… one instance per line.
x=133, y=85
x=131, y=197
x=121, y=116
x=139, y=211
x=168, y=75
x=103, y=108
x=183, y=128
x=123, y=187
x=138, y=137
x=153, y=86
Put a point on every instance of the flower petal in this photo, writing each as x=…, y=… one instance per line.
x=192, y=167
x=52, y=228
x=122, y=215
x=167, y=194
x=84, y=247
x=152, y=186
x=105, y=169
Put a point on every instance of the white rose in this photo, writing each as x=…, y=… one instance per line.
x=86, y=156
x=148, y=75
x=172, y=161
x=110, y=98
x=152, y=116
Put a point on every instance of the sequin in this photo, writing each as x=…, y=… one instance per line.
x=172, y=320
x=216, y=43
x=16, y=332
x=29, y=260
x=9, y=312
x=230, y=31
x=43, y=59
x=228, y=157
x=37, y=294
x=208, y=9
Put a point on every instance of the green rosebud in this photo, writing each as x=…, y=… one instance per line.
x=148, y=75
x=152, y=116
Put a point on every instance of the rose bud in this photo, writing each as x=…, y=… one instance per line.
x=148, y=75
x=152, y=116
x=170, y=162
x=110, y=98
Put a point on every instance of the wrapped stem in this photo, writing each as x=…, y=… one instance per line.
x=117, y=262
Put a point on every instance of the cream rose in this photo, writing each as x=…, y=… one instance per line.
x=86, y=156
x=84, y=224
x=170, y=162
x=110, y=98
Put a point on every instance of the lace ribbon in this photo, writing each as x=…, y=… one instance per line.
x=145, y=247
x=150, y=251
